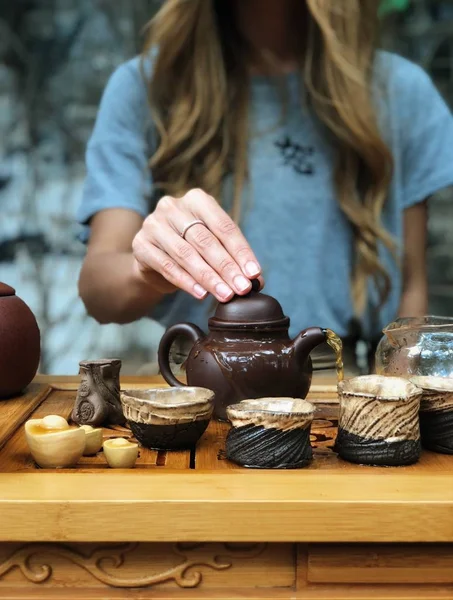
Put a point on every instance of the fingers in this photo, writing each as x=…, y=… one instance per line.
x=199, y=241
x=223, y=228
x=213, y=258
x=193, y=263
x=149, y=257
x=179, y=263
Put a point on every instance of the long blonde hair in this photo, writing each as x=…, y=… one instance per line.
x=199, y=98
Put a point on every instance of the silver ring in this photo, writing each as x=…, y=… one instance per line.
x=187, y=227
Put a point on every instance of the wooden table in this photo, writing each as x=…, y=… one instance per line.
x=192, y=525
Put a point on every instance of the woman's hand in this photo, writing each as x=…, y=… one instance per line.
x=213, y=257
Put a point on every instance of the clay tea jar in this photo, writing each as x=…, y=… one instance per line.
x=247, y=353
x=19, y=343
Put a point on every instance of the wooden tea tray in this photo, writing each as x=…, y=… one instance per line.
x=195, y=525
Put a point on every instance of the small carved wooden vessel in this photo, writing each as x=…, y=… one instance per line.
x=98, y=397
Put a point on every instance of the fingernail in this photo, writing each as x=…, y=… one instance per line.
x=252, y=269
x=241, y=283
x=223, y=290
x=199, y=291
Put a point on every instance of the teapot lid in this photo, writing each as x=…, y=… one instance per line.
x=6, y=290
x=255, y=310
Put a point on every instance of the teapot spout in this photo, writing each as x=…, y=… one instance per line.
x=307, y=340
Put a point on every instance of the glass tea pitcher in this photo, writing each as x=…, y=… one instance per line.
x=416, y=346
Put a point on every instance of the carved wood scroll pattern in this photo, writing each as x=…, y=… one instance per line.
x=95, y=563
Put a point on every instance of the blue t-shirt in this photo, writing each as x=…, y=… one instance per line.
x=291, y=217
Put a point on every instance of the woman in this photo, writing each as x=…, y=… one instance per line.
x=268, y=139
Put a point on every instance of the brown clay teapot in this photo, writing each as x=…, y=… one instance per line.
x=247, y=353
x=19, y=343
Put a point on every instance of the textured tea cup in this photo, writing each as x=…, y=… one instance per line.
x=378, y=422
x=270, y=433
x=436, y=413
x=168, y=419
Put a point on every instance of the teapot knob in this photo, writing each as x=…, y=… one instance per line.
x=256, y=285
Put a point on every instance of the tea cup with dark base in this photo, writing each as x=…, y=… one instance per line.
x=168, y=419
x=270, y=433
x=436, y=413
x=378, y=422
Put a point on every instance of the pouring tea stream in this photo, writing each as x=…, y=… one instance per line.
x=334, y=341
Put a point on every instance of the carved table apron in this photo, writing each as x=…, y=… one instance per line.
x=184, y=525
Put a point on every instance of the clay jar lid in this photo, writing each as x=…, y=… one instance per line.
x=6, y=290
x=254, y=311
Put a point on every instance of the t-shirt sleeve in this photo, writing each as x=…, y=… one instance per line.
x=118, y=175
x=427, y=137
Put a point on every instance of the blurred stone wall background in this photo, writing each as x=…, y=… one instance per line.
x=55, y=58
x=424, y=34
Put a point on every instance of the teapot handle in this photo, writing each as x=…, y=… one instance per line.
x=188, y=330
